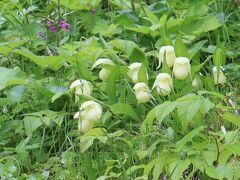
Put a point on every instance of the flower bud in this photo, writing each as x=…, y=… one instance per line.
x=134, y=70
x=83, y=125
x=197, y=83
x=218, y=75
x=163, y=84
x=142, y=92
x=81, y=87
x=104, y=72
x=181, y=67
x=169, y=54
x=90, y=111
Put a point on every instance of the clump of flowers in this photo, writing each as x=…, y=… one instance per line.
x=61, y=24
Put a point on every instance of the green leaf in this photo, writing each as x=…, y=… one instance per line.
x=196, y=48
x=111, y=84
x=182, y=165
x=164, y=109
x=9, y=77
x=132, y=169
x=180, y=48
x=142, y=74
x=86, y=142
x=212, y=172
x=7, y=47
x=232, y=118
x=203, y=24
x=138, y=55
x=180, y=144
x=124, y=109
x=53, y=62
x=31, y=123
x=159, y=112
x=191, y=104
x=219, y=57
x=83, y=70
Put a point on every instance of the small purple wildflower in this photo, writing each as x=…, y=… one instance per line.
x=49, y=23
x=66, y=26
x=94, y=10
x=41, y=35
x=61, y=23
x=53, y=29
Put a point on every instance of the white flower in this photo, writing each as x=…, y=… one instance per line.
x=163, y=84
x=169, y=53
x=142, y=92
x=82, y=87
x=181, y=67
x=83, y=125
x=223, y=130
x=134, y=70
x=104, y=72
x=218, y=75
x=197, y=83
x=90, y=111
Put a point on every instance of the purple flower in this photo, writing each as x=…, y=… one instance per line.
x=94, y=10
x=41, y=35
x=61, y=23
x=66, y=26
x=53, y=29
x=49, y=23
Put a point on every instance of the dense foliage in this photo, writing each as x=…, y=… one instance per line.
x=119, y=89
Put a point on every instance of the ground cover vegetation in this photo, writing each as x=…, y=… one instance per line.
x=119, y=89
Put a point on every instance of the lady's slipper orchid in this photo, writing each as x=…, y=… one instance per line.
x=181, y=67
x=81, y=87
x=133, y=71
x=104, y=72
x=83, y=125
x=197, y=83
x=169, y=54
x=142, y=92
x=218, y=75
x=163, y=84
x=90, y=111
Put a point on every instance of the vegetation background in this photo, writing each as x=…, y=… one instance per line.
x=192, y=133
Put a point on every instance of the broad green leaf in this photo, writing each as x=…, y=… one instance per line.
x=132, y=169
x=124, y=46
x=83, y=70
x=138, y=55
x=189, y=105
x=53, y=62
x=182, y=165
x=232, y=118
x=7, y=47
x=219, y=57
x=180, y=144
x=212, y=172
x=79, y=5
x=159, y=112
x=196, y=48
x=180, y=48
x=124, y=109
x=201, y=25
x=9, y=77
x=164, y=109
x=111, y=84
x=31, y=123
x=143, y=74
x=86, y=142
